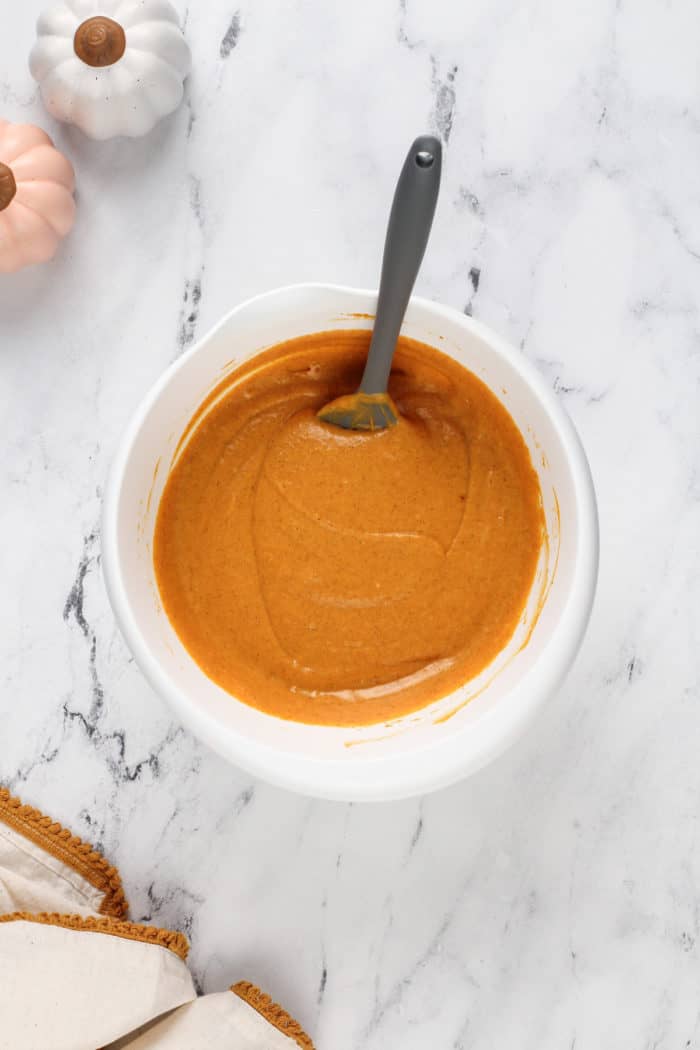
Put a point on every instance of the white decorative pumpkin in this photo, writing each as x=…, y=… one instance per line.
x=113, y=67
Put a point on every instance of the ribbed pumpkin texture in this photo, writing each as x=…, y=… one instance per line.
x=36, y=196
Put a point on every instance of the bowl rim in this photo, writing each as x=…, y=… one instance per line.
x=442, y=761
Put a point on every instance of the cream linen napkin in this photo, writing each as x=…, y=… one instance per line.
x=75, y=974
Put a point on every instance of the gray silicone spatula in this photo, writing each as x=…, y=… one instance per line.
x=410, y=220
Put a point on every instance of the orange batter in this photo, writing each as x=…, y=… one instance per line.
x=343, y=577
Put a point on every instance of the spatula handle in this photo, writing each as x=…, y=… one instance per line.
x=406, y=237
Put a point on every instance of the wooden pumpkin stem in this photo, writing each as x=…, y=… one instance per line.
x=99, y=41
x=8, y=186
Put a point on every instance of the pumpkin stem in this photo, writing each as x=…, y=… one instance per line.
x=8, y=186
x=99, y=41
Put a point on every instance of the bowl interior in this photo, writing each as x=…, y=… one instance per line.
x=440, y=742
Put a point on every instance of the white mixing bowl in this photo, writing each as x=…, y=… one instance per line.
x=452, y=737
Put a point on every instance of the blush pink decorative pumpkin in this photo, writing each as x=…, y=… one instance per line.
x=36, y=196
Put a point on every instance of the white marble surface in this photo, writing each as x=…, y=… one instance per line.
x=553, y=900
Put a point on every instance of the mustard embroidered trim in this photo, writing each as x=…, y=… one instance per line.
x=132, y=931
x=69, y=849
x=273, y=1013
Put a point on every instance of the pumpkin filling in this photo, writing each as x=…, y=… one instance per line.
x=8, y=186
x=99, y=41
x=347, y=577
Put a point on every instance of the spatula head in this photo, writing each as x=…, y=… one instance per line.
x=361, y=412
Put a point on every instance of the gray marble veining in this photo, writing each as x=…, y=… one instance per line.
x=553, y=900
